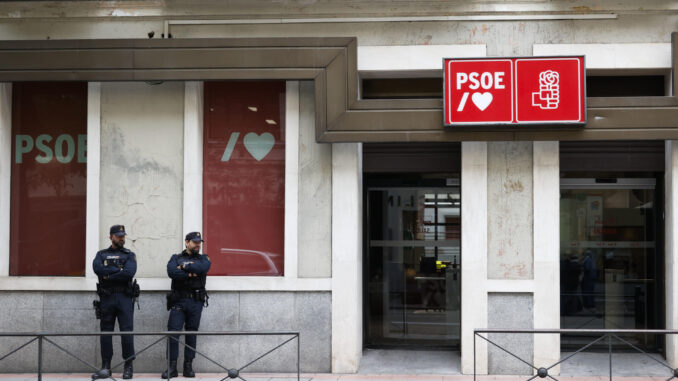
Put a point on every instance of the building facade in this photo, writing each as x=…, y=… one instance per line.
x=306, y=142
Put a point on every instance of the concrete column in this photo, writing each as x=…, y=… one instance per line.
x=510, y=258
x=315, y=193
x=92, y=229
x=193, y=152
x=347, y=214
x=546, y=194
x=510, y=252
x=510, y=203
x=291, y=179
x=671, y=248
x=474, y=253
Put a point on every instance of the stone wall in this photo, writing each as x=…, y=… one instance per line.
x=68, y=312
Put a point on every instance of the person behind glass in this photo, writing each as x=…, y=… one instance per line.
x=115, y=267
x=188, y=271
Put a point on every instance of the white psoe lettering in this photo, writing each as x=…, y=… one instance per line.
x=486, y=80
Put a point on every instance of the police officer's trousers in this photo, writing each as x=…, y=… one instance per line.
x=186, y=312
x=120, y=306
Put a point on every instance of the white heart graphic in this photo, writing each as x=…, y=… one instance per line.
x=481, y=100
x=259, y=145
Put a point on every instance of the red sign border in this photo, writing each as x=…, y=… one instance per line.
x=513, y=105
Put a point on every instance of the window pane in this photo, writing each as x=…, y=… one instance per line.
x=609, y=274
x=48, y=180
x=244, y=177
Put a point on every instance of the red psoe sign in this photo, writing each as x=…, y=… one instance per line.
x=511, y=91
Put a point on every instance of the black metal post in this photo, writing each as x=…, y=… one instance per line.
x=609, y=346
x=39, y=357
x=298, y=357
x=169, y=376
x=474, y=356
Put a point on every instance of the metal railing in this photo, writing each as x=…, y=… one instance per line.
x=166, y=336
x=599, y=337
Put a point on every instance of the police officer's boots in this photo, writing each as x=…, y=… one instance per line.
x=188, y=368
x=128, y=371
x=104, y=372
x=172, y=370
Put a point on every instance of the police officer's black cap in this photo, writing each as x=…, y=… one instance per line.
x=118, y=230
x=194, y=236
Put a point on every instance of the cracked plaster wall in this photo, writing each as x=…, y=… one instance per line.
x=509, y=210
x=142, y=169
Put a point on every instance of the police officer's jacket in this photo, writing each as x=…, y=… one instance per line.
x=115, y=268
x=198, y=264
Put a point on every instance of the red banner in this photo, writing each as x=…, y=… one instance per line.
x=244, y=177
x=49, y=179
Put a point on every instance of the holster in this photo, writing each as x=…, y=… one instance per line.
x=202, y=296
x=97, y=308
x=103, y=291
x=172, y=298
x=133, y=289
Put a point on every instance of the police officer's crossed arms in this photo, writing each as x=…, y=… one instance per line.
x=115, y=267
x=188, y=271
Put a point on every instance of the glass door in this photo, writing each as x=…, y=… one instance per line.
x=611, y=271
x=413, y=267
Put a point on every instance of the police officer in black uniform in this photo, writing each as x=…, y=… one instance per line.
x=115, y=267
x=188, y=271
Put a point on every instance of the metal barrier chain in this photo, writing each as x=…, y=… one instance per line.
x=165, y=335
x=17, y=349
x=74, y=356
x=172, y=337
x=642, y=351
x=262, y=356
x=577, y=351
x=610, y=334
x=138, y=353
x=505, y=350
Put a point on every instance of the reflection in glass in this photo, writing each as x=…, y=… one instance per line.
x=608, y=261
x=414, y=266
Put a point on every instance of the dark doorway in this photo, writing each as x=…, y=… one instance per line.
x=414, y=263
x=612, y=266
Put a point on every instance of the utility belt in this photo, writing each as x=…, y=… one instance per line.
x=109, y=289
x=131, y=289
x=198, y=294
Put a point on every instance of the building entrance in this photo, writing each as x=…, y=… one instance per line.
x=413, y=267
x=611, y=262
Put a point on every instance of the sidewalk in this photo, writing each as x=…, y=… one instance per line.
x=318, y=377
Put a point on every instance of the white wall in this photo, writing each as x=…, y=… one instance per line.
x=142, y=174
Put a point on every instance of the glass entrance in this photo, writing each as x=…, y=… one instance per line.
x=611, y=267
x=413, y=265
